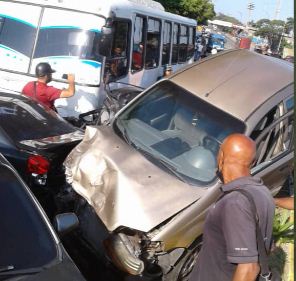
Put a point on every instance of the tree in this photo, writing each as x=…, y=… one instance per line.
x=224, y=17
x=262, y=23
x=272, y=30
x=289, y=25
x=201, y=10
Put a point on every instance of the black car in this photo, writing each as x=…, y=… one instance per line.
x=36, y=140
x=30, y=249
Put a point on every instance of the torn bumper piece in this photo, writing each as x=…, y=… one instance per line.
x=120, y=252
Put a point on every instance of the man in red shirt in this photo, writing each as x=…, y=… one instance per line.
x=46, y=95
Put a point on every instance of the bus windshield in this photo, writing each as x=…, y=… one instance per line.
x=68, y=42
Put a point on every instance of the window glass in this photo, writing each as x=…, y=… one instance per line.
x=152, y=43
x=190, y=50
x=183, y=43
x=40, y=123
x=178, y=131
x=25, y=237
x=166, y=47
x=119, y=63
x=73, y=42
x=18, y=28
x=273, y=135
x=138, y=45
x=290, y=103
x=175, y=44
x=267, y=120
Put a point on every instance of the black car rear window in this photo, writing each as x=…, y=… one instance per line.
x=23, y=119
x=25, y=239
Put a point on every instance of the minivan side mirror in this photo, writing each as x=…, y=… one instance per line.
x=65, y=223
x=106, y=39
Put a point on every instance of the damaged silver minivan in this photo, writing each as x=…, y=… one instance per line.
x=143, y=185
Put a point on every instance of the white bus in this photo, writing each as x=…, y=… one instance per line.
x=129, y=40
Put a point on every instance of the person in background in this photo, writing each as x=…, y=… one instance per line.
x=285, y=202
x=167, y=70
x=138, y=57
x=44, y=94
x=229, y=251
x=198, y=50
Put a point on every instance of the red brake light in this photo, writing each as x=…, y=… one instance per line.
x=37, y=165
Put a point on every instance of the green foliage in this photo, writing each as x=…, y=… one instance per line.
x=283, y=227
x=224, y=17
x=261, y=23
x=277, y=259
x=272, y=30
x=289, y=25
x=201, y=10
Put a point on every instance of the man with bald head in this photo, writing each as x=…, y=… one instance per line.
x=229, y=251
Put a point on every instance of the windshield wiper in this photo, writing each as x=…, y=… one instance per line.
x=164, y=163
x=4, y=268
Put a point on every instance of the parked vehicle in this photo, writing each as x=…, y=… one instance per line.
x=30, y=249
x=216, y=41
x=146, y=182
x=74, y=37
x=36, y=141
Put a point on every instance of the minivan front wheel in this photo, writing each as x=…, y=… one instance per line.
x=184, y=267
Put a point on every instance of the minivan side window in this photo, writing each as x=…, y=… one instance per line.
x=273, y=135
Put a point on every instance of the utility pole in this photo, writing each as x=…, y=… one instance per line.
x=277, y=9
x=250, y=7
x=282, y=34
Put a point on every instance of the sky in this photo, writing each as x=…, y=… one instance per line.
x=263, y=9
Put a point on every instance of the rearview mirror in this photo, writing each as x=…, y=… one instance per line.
x=65, y=223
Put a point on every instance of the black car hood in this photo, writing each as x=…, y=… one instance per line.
x=63, y=271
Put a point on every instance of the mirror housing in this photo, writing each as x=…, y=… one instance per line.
x=106, y=39
x=65, y=223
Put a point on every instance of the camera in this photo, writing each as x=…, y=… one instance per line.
x=65, y=76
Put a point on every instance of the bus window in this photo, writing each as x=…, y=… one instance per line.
x=183, y=44
x=118, y=63
x=166, y=47
x=190, y=50
x=138, y=47
x=152, y=43
x=175, y=44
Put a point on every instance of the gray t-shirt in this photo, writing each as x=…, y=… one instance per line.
x=229, y=235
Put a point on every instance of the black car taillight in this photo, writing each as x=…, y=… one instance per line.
x=37, y=164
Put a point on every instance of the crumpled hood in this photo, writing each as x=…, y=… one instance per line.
x=123, y=187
